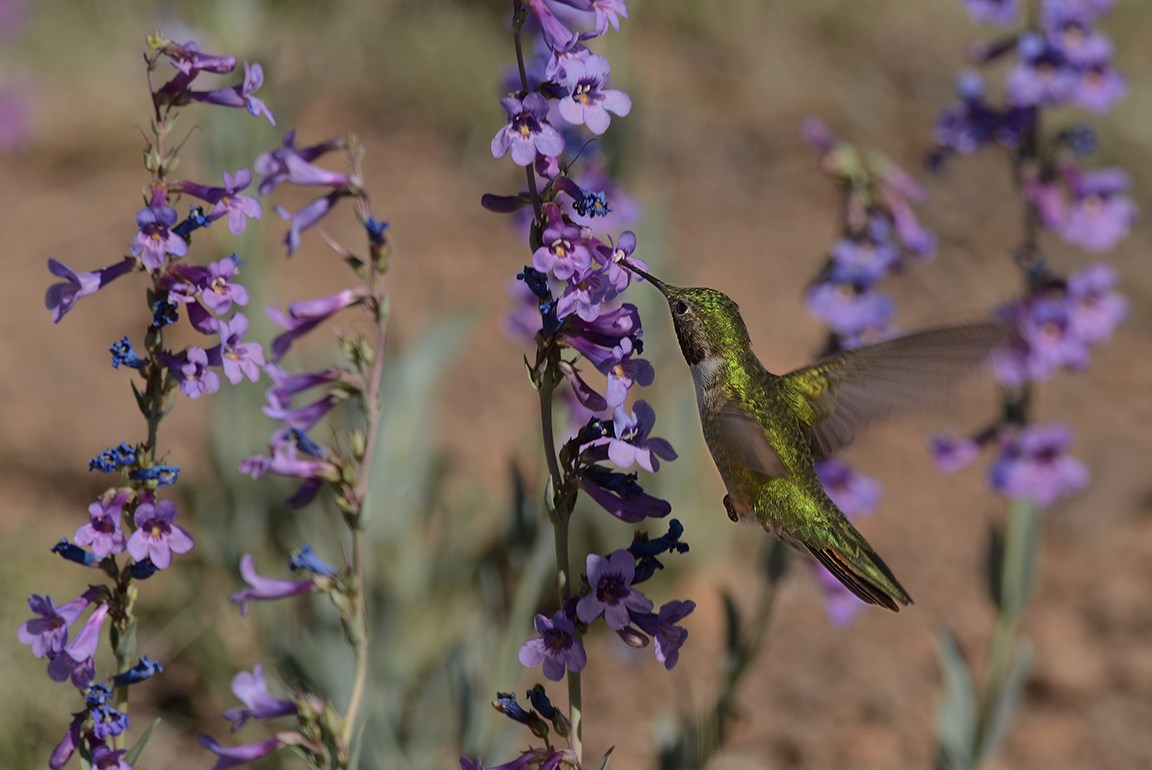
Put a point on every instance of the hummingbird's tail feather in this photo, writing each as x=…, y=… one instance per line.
x=866, y=575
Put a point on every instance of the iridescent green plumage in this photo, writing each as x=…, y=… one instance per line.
x=765, y=430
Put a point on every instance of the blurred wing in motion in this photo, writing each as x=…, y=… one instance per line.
x=844, y=393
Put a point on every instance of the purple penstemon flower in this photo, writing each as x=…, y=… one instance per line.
x=1046, y=342
x=240, y=359
x=308, y=216
x=233, y=756
x=155, y=239
x=193, y=374
x=558, y=647
x=585, y=296
x=103, y=532
x=293, y=454
x=76, y=661
x=850, y=310
x=556, y=35
x=1001, y=12
x=953, y=453
x=612, y=594
x=156, y=537
x=48, y=633
x=587, y=102
x=853, y=493
x=228, y=200
x=220, y=289
x=1043, y=76
x=108, y=758
x=665, y=630
x=622, y=369
x=1033, y=464
x=305, y=315
x=265, y=589
x=1099, y=214
x=294, y=166
x=632, y=444
x=61, y=297
x=1100, y=86
x=252, y=691
x=563, y=254
x=527, y=131
x=239, y=96
x=1095, y=308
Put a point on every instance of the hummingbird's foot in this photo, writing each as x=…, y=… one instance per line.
x=730, y=508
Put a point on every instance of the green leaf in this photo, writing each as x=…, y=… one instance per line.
x=1021, y=542
x=133, y=754
x=956, y=711
x=1002, y=706
x=604, y=762
x=995, y=556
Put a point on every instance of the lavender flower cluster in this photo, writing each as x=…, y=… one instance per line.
x=1061, y=59
x=880, y=236
x=570, y=305
x=131, y=532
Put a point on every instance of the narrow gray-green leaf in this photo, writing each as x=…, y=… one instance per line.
x=133, y=754
x=1001, y=708
x=604, y=761
x=956, y=711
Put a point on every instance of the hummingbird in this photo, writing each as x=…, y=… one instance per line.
x=765, y=431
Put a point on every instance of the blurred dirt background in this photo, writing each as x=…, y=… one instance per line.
x=732, y=200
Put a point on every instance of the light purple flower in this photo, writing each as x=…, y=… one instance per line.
x=61, y=297
x=632, y=444
x=303, y=418
x=1096, y=309
x=840, y=604
x=953, y=453
x=562, y=253
x=252, y=691
x=192, y=371
x=265, y=589
x=234, y=756
x=1045, y=344
x=608, y=12
x=1100, y=86
x=228, y=200
x=220, y=289
x=850, y=310
x=155, y=239
x=14, y=117
x=556, y=35
x=304, y=316
x=76, y=661
x=293, y=454
x=665, y=630
x=862, y=261
x=612, y=594
x=240, y=359
x=1043, y=76
x=1100, y=214
x=156, y=537
x=619, y=276
x=1033, y=464
x=622, y=369
x=107, y=758
x=527, y=131
x=294, y=166
x=558, y=647
x=585, y=296
x=103, y=531
x=587, y=102
x=48, y=633
x=239, y=96
x=308, y=217
x=853, y=493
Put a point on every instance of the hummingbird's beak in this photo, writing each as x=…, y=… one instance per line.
x=663, y=287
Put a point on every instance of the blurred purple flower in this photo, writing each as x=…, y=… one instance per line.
x=156, y=537
x=953, y=453
x=233, y=756
x=67, y=745
x=61, y=297
x=107, y=758
x=304, y=316
x=558, y=647
x=1046, y=342
x=294, y=166
x=1100, y=86
x=612, y=594
x=307, y=217
x=665, y=631
x=1096, y=309
x=1099, y=214
x=527, y=131
x=587, y=102
x=252, y=691
x=1001, y=12
x=840, y=604
x=103, y=531
x=1033, y=464
x=15, y=128
x=850, y=310
x=853, y=493
x=265, y=589
x=293, y=454
x=1043, y=76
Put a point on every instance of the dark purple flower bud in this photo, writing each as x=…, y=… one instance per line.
x=303, y=558
x=67, y=745
x=304, y=316
x=612, y=594
x=853, y=493
x=142, y=570
x=189, y=60
x=377, y=230
x=156, y=537
x=107, y=722
x=48, y=633
x=164, y=313
x=160, y=475
x=228, y=200
x=155, y=239
x=504, y=204
x=233, y=756
x=1033, y=464
x=252, y=691
x=60, y=297
x=587, y=102
x=123, y=354
x=97, y=694
x=74, y=553
x=113, y=459
x=645, y=550
x=506, y=704
x=558, y=647
x=103, y=532
x=195, y=220
x=265, y=589
x=239, y=96
x=539, y=699
x=527, y=131
x=145, y=668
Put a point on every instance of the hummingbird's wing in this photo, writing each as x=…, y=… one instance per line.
x=842, y=394
x=741, y=435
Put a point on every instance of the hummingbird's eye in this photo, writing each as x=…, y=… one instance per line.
x=681, y=307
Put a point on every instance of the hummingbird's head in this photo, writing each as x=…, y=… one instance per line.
x=708, y=322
